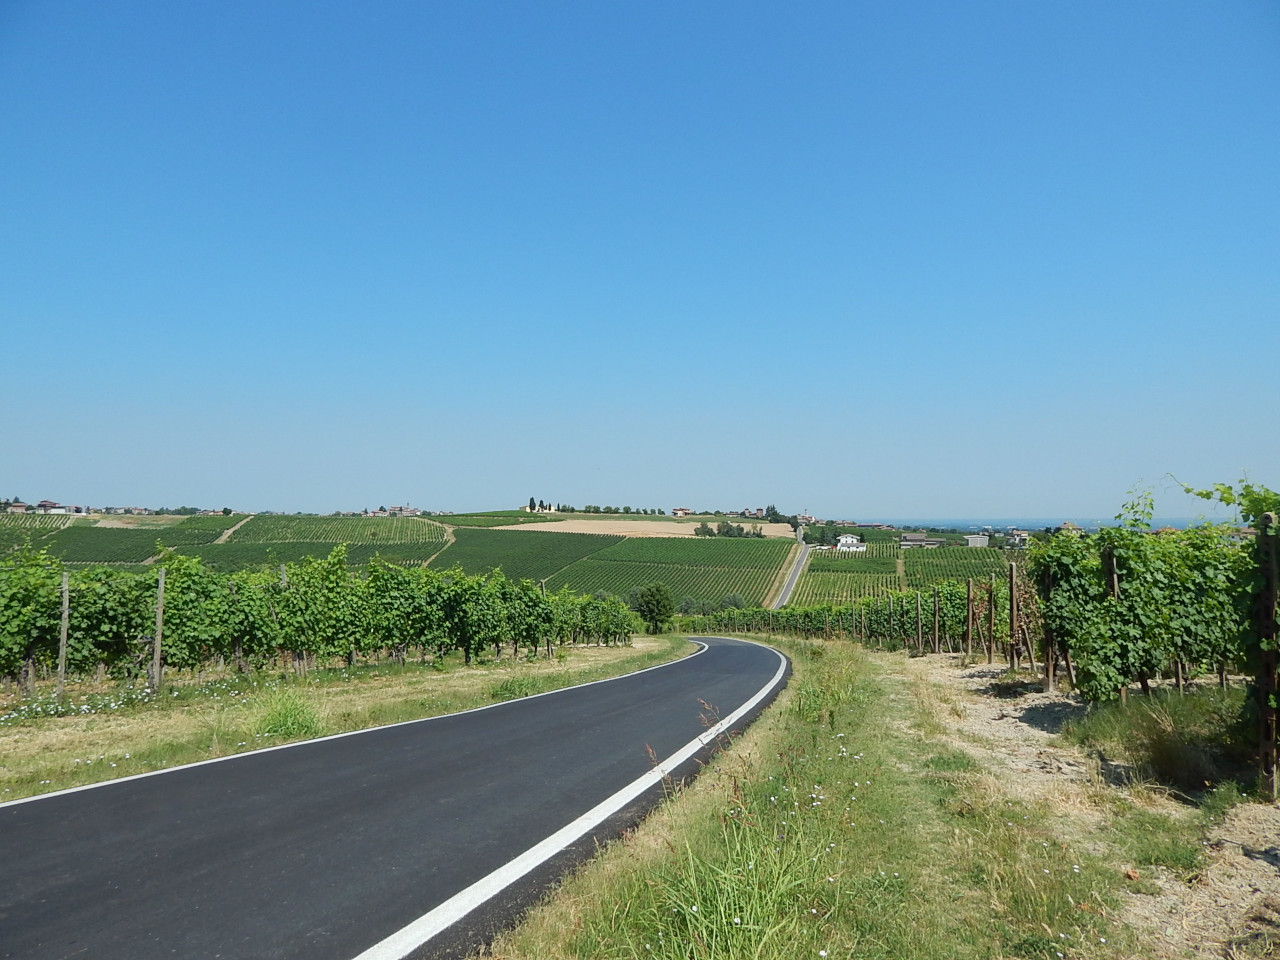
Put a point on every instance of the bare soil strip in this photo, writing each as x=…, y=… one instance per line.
x=226, y=534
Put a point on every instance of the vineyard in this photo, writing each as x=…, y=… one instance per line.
x=496, y=518
x=832, y=561
x=85, y=544
x=230, y=557
x=18, y=528
x=281, y=529
x=926, y=567
x=834, y=577
x=703, y=570
x=260, y=541
x=1125, y=606
x=818, y=587
x=179, y=613
x=520, y=555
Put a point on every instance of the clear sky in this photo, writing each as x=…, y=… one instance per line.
x=980, y=259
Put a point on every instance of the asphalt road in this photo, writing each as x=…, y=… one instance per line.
x=324, y=849
x=792, y=578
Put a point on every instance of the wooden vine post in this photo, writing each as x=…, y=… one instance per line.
x=155, y=640
x=919, y=623
x=62, y=632
x=1111, y=574
x=1018, y=621
x=968, y=618
x=1268, y=657
x=1013, y=616
x=1050, y=654
x=937, y=645
x=991, y=620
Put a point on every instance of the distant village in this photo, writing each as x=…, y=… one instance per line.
x=52, y=507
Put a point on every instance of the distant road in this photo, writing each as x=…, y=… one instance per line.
x=364, y=845
x=792, y=578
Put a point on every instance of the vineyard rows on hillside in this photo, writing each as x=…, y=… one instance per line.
x=83, y=544
x=830, y=561
x=274, y=529
x=703, y=570
x=923, y=567
x=700, y=583
x=832, y=577
x=520, y=555
x=498, y=518
x=817, y=587
x=17, y=528
x=713, y=552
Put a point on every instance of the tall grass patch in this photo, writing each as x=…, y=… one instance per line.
x=286, y=713
x=1191, y=741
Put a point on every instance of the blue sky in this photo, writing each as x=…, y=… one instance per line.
x=991, y=259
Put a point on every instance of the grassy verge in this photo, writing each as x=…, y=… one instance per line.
x=133, y=734
x=846, y=823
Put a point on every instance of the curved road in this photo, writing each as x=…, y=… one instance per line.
x=420, y=839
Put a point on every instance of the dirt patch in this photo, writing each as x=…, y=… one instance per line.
x=132, y=522
x=638, y=528
x=226, y=534
x=1230, y=908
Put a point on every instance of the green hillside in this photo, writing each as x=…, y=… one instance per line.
x=535, y=555
x=702, y=569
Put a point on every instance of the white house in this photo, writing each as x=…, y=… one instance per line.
x=976, y=540
x=849, y=543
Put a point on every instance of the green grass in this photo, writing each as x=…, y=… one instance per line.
x=1147, y=838
x=703, y=569
x=520, y=554
x=287, y=715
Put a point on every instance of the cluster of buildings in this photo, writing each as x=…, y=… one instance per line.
x=53, y=507
x=402, y=511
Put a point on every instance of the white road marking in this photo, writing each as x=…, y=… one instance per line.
x=407, y=939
